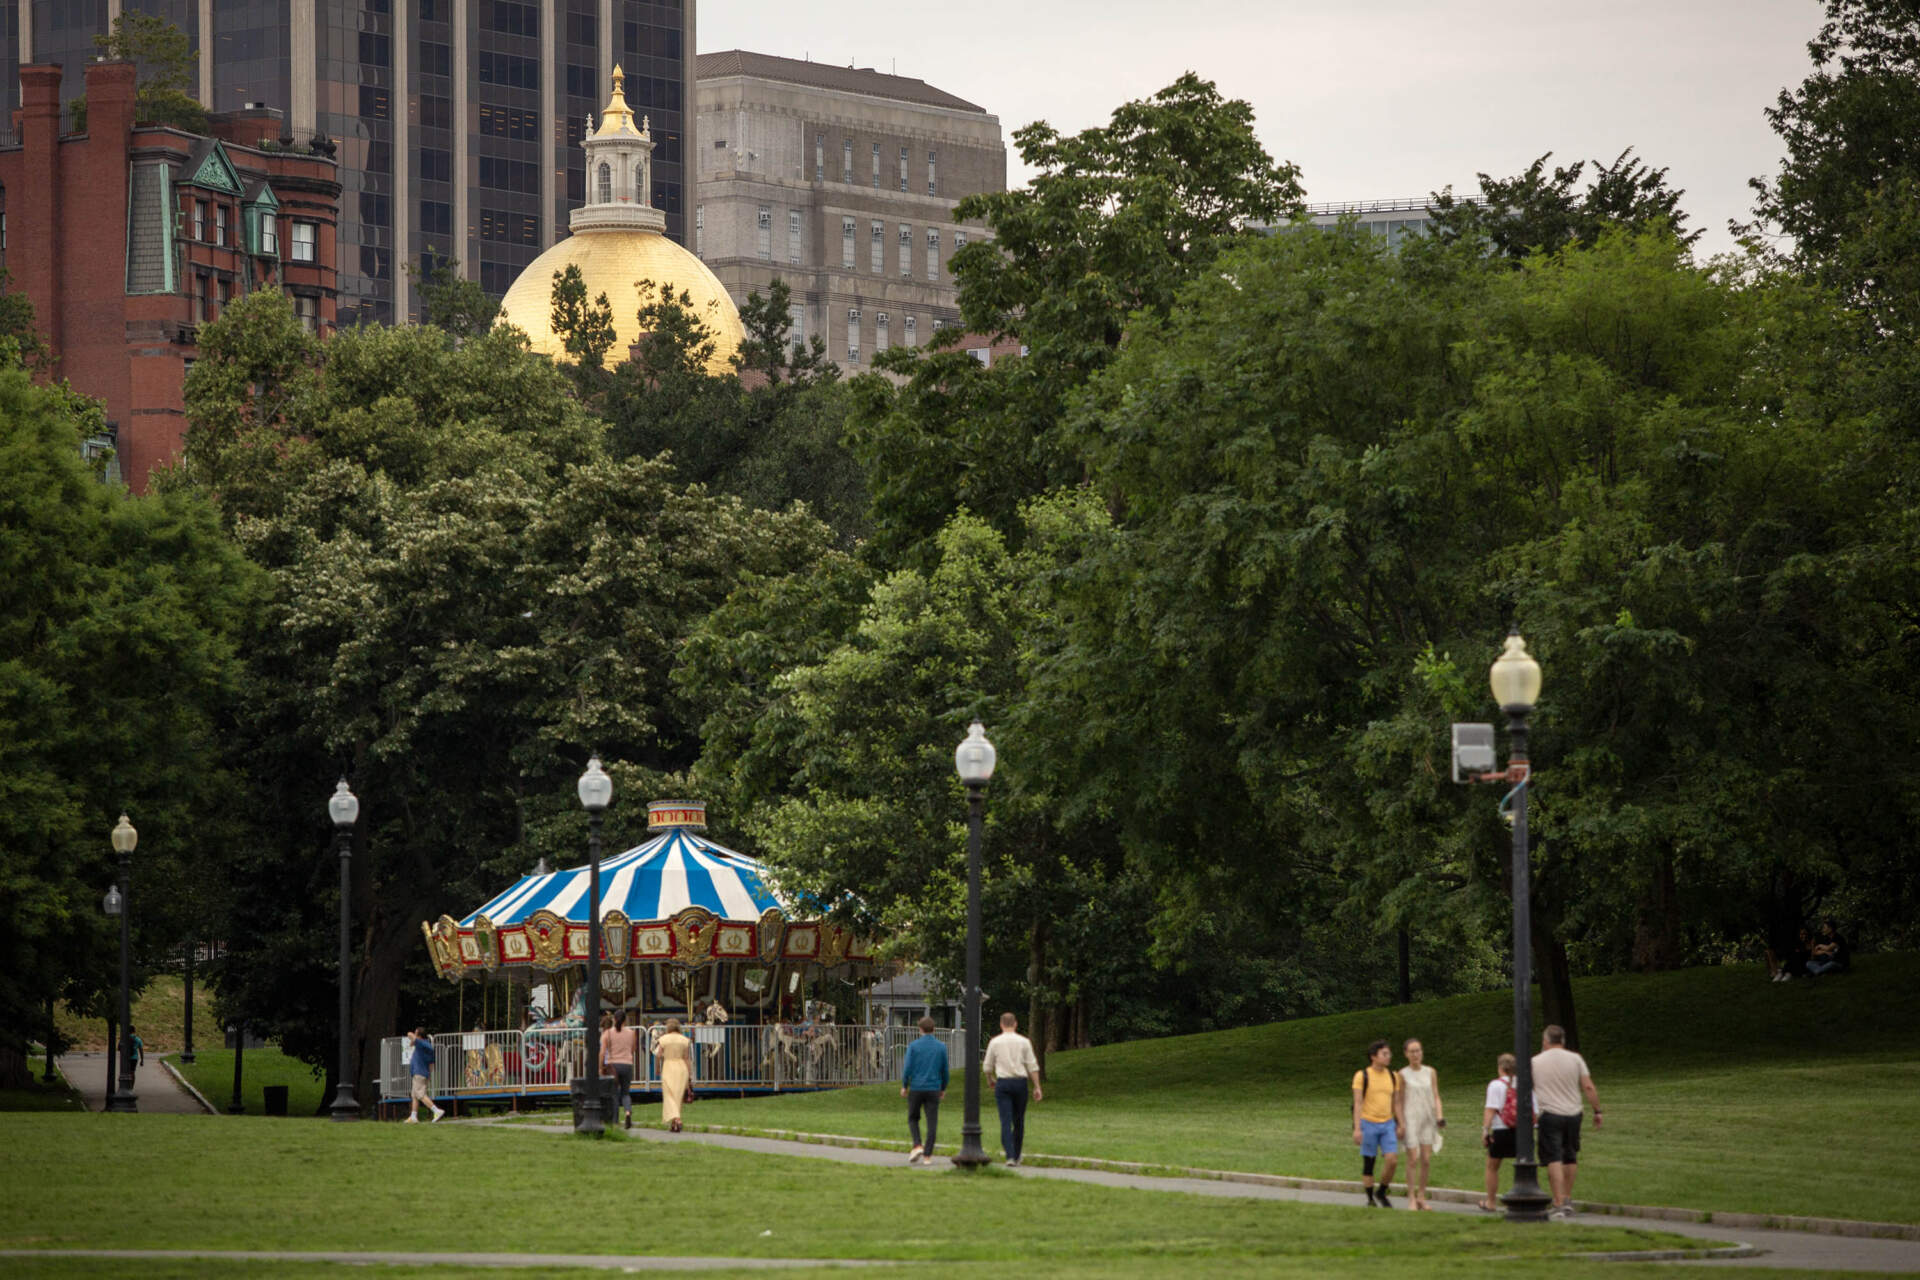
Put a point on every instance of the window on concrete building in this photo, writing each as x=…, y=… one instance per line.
x=846, y=242
x=820, y=157
x=959, y=241
x=878, y=234
x=853, y=336
x=876, y=164
x=912, y=339
x=903, y=168
x=906, y=251
x=797, y=327
x=933, y=254
x=306, y=241
x=981, y=355
x=795, y=237
x=699, y=231
x=932, y=178
x=880, y=331
x=846, y=160
x=763, y=243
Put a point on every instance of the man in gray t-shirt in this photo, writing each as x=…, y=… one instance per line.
x=1560, y=1077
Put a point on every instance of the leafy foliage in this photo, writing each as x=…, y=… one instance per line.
x=1532, y=212
x=168, y=63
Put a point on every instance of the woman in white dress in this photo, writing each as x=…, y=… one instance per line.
x=1425, y=1119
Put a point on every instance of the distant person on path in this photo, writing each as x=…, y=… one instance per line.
x=1829, y=953
x=1496, y=1126
x=139, y=1054
x=1015, y=1071
x=675, y=1053
x=1379, y=1119
x=619, y=1048
x=1426, y=1117
x=420, y=1066
x=1560, y=1076
x=923, y=1082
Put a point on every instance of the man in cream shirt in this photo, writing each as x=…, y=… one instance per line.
x=1010, y=1064
x=1560, y=1077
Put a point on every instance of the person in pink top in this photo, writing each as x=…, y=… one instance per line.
x=619, y=1049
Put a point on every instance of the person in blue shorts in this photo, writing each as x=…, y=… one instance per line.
x=1379, y=1119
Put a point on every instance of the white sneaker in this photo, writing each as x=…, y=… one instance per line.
x=915, y=1156
x=437, y=1113
x=413, y=1119
x=1014, y=1163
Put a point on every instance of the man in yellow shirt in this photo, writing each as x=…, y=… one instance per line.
x=1379, y=1119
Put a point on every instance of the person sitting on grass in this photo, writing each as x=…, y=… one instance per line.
x=1379, y=1119
x=1829, y=953
x=1796, y=960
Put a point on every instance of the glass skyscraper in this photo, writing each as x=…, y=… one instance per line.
x=458, y=122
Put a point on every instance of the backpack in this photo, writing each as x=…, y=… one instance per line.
x=1366, y=1078
x=1510, y=1106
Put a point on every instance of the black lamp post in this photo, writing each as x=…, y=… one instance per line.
x=111, y=905
x=1515, y=679
x=973, y=760
x=186, y=1050
x=344, y=808
x=589, y=1095
x=237, y=1107
x=124, y=840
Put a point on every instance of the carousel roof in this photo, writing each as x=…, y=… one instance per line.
x=673, y=871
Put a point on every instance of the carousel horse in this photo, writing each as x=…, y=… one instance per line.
x=716, y=1016
x=486, y=1068
x=545, y=1037
x=782, y=1042
x=873, y=1046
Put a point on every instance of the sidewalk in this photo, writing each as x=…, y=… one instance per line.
x=154, y=1089
x=1794, y=1249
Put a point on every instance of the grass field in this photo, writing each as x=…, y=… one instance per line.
x=159, y=1015
x=1722, y=1091
x=211, y=1072
x=194, y=1182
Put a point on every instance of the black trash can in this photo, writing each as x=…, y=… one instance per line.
x=273, y=1099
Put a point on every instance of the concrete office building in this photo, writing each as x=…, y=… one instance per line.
x=842, y=182
x=458, y=122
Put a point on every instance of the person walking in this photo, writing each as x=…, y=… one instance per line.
x=1496, y=1126
x=1425, y=1117
x=923, y=1083
x=1379, y=1119
x=1015, y=1071
x=1560, y=1076
x=675, y=1053
x=419, y=1067
x=619, y=1049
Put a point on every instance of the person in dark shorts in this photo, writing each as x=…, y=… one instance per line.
x=1560, y=1077
x=1496, y=1130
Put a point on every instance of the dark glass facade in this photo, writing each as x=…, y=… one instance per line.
x=251, y=54
x=658, y=63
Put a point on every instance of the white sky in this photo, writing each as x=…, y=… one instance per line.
x=1371, y=98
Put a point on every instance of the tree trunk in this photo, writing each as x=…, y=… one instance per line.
x=1406, y=966
x=1656, y=935
x=1555, y=975
x=1036, y=1003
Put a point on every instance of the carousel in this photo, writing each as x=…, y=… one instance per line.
x=689, y=930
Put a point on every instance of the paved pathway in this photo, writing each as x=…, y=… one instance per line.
x=154, y=1089
x=1800, y=1249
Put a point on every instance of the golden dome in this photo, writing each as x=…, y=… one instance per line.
x=613, y=262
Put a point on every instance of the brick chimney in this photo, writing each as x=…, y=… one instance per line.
x=110, y=90
x=35, y=206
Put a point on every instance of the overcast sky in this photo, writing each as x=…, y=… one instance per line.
x=1371, y=98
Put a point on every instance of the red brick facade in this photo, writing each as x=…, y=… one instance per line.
x=127, y=236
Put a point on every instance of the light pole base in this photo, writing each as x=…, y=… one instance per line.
x=971, y=1154
x=186, y=1056
x=118, y=1101
x=345, y=1107
x=1525, y=1201
x=592, y=1103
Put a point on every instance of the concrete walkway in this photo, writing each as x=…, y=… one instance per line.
x=1797, y=1249
x=154, y=1089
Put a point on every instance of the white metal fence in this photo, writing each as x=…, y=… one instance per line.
x=774, y=1056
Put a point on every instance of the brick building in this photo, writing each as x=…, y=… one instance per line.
x=129, y=235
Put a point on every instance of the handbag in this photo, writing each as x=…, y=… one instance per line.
x=689, y=1097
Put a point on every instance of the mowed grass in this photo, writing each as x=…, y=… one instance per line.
x=211, y=1072
x=182, y=1182
x=1365, y=1267
x=1722, y=1092
x=159, y=1015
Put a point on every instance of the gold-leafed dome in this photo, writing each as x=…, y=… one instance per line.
x=613, y=262
x=619, y=239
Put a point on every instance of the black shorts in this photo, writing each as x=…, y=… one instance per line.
x=1559, y=1139
x=1500, y=1144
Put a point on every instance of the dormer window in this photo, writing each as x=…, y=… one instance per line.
x=269, y=235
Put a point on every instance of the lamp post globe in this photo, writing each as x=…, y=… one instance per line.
x=973, y=760
x=589, y=1095
x=120, y=1095
x=343, y=807
x=1515, y=681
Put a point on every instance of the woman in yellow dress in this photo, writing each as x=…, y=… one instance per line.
x=675, y=1053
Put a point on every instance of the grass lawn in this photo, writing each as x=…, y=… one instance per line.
x=194, y=1182
x=211, y=1072
x=1722, y=1091
x=159, y=1015
x=1315, y=1268
x=58, y=1096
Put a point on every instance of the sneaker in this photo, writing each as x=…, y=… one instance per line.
x=915, y=1156
x=1013, y=1163
x=1371, y=1202
x=1561, y=1213
x=437, y=1114
x=1383, y=1201
x=413, y=1119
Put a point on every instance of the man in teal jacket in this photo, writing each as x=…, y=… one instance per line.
x=923, y=1082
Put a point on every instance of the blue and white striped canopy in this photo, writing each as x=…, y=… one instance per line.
x=669, y=873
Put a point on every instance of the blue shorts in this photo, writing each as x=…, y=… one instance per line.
x=1377, y=1137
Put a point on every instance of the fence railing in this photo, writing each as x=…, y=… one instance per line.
x=771, y=1056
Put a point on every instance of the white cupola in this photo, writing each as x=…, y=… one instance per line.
x=619, y=171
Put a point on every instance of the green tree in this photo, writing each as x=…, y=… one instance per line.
x=451, y=302
x=585, y=328
x=168, y=76
x=1532, y=211
x=769, y=351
